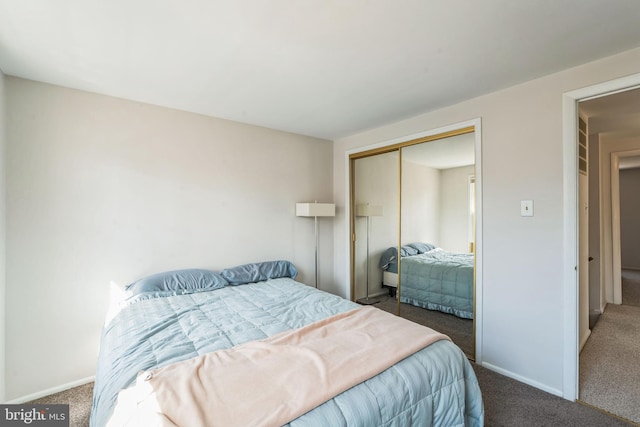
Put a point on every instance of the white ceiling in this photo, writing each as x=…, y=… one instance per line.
x=323, y=68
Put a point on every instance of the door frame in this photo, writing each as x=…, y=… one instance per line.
x=570, y=221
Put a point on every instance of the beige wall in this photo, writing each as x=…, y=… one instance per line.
x=101, y=189
x=523, y=271
x=2, y=234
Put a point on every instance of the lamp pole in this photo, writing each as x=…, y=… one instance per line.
x=316, y=233
x=368, y=235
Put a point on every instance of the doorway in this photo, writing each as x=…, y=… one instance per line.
x=607, y=379
x=570, y=189
x=629, y=182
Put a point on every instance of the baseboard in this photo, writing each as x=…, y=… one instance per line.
x=584, y=339
x=382, y=293
x=630, y=268
x=522, y=379
x=379, y=294
x=51, y=390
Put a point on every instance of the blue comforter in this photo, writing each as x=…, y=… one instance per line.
x=435, y=386
x=439, y=280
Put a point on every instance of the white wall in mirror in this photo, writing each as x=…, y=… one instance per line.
x=420, y=201
x=435, y=186
x=376, y=184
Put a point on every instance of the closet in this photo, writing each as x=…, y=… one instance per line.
x=413, y=231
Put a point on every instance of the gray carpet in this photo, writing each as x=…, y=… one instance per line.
x=459, y=330
x=506, y=402
x=631, y=287
x=79, y=400
x=609, y=373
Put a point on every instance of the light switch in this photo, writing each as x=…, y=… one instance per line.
x=526, y=208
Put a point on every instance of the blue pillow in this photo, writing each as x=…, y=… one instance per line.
x=422, y=247
x=178, y=281
x=408, y=250
x=388, y=257
x=258, y=272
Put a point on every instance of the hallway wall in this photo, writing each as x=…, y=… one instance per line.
x=629, y=218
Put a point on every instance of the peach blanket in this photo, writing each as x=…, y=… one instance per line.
x=272, y=381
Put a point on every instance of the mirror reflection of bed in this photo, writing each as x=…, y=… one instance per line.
x=436, y=224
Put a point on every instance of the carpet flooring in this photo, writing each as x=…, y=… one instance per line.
x=631, y=287
x=459, y=330
x=507, y=403
x=79, y=400
x=609, y=372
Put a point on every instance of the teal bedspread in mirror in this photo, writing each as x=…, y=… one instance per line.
x=439, y=280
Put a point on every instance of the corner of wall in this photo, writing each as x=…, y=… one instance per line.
x=3, y=200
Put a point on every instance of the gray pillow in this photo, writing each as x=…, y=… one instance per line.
x=422, y=247
x=408, y=250
x=178, y=281
x=259, y=272
x=390, y=256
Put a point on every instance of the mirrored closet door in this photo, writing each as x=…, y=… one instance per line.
x=413, y=232
x=437, y=236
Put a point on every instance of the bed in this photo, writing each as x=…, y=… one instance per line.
x=432, y=278
x=197, y=314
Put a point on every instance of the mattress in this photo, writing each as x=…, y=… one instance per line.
x=390, y=279
x=434, y=386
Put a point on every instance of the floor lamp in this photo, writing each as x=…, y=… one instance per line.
x=315, y=210
x=368, y=211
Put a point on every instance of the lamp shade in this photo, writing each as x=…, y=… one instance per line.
x=315, y=209
x=368, y=210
